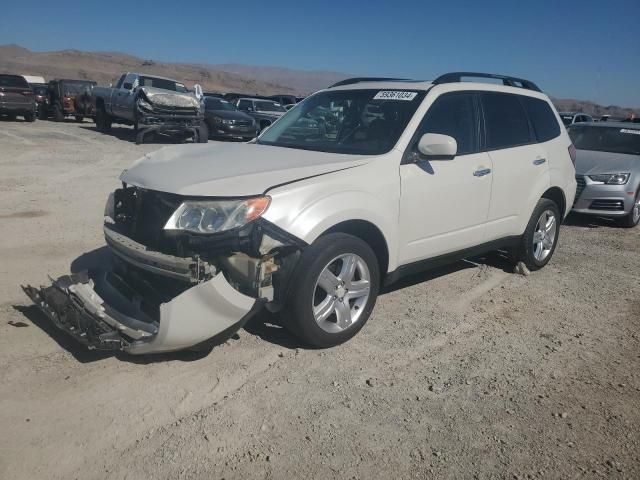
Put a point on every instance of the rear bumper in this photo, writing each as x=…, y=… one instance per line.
x=17, y=108
x=604, y=200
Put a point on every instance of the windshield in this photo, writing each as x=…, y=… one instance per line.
x=162, y=83
x=361, y=122
x=40, y=90
x=217, y=104
x=606, y=139
x=70, y=89
x=266, y=106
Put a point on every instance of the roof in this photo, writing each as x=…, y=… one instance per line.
x=153, y=76
x=257, y=98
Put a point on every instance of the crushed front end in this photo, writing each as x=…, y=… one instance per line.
x=167, y=112
x=170, y=289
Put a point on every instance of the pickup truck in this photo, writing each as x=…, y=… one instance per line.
x=151, y=104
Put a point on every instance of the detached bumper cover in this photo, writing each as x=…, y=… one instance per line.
x=102, y=314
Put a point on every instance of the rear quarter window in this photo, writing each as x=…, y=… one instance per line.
x=545, y=124
x=506, y=123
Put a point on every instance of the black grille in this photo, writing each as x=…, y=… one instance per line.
x=581, y=184
x=241, y=123
x=609, y=205
x=144, y=213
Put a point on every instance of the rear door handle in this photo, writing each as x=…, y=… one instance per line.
x=539, y=161
x=482, y=172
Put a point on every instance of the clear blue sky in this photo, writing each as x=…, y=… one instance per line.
x=582, y=49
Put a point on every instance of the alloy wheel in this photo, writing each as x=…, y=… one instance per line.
x=544, y=235
x=341, y=293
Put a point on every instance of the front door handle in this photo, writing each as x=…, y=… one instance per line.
x=482, y=172
x=539, y=161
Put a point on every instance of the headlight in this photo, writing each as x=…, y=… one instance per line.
x=142, y=103
x=611, y=178
x=216, y=216
x=227, y=122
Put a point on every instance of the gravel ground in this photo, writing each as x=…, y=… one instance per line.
x=466, y=372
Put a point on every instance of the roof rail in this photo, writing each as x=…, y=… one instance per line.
x=350, y=81
x=455, y=77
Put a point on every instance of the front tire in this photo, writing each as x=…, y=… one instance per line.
x=103, y=120
x=540, y=238
x=203, y=133
x=334, y=290
x=30, y=117
x=633, y=218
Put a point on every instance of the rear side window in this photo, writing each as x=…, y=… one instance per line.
x=13, y=81
x=453, y=114
x=542, y=118
x=506, y=123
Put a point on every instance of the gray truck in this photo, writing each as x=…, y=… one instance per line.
x=151, y=104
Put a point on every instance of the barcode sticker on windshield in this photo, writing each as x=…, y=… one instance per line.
x=628, y=130
x=395, y=95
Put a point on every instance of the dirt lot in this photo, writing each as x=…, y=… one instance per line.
x=468, y=372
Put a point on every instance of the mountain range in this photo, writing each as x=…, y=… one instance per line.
x=104, y=68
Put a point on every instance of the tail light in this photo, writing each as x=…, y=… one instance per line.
x=572, y=154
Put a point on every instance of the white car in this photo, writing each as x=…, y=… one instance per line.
x=319, y=212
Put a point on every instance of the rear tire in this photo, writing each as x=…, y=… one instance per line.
x=538, y=243
x=79, y=118
x=12, y=116
x=633, y=218
x=30, y=117
x=42, y=114
x=58, y=115
x=334, y=289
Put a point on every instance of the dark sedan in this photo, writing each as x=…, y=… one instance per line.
x=226, y=121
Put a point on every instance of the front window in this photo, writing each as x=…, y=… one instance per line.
x=606, y=139
x=162, y=83
x=269, y=107
x=360, y=122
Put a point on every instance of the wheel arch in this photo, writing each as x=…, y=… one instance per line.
x=368, y=233
x=556, y=195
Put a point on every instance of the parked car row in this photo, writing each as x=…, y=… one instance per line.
x=150, y=103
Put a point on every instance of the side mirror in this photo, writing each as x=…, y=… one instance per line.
x=127, y=86
x=435, y=146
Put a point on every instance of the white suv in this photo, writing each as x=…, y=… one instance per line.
x=319, y=212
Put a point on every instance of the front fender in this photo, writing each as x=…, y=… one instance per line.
x=307, y=211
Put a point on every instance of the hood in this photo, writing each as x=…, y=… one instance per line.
x=230, y=169
x=589, y=162
x=228, y=114
x=168, y=98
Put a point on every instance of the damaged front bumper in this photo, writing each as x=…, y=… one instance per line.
x=104, y=313
x=174, y=291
